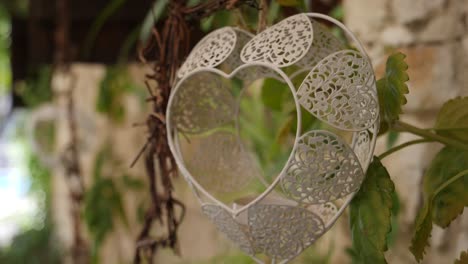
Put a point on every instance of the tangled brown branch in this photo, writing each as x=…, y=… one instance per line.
x=166, y=50
x=79, y=252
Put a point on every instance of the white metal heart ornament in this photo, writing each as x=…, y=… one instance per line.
x=213, y=118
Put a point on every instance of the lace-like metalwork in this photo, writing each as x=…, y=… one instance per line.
x=362, y=145
x=326, y=211
x=228, y=226
x=211, y=51
x=339, y=91
x=281, y=231
x=323, y=45
x=282, y=44
x=324, y=169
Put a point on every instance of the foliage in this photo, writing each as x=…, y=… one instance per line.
x=392, y=89
x=445, y=182
x=463, y=258
x=452, y=120
x=445, y=196
x=103, y=201
x=5, y=73
x=115, y=84
x=37, y=88
x=370, y=215
x=35, y=246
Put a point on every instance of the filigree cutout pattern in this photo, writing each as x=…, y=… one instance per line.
x=219, y=163
x=326, y=211
x=203, y=102
x=323, y=45
x=324, y=169
x=282, y=44
x=362, y=144
x=229, y=227
x=282, y=231
x=211, y=51
x=340, y=90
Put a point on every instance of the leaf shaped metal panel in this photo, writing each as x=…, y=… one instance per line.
x=340, y=90
x=282, y=44
x=282, y=231
x=211, y=51
x=227, y=225
x=324, y=169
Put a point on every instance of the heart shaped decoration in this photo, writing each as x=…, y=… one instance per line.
x=212, y=111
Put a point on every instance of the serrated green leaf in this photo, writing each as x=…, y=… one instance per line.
x=392, y=88
x=452, y=120
x=423, y=229
x=370, y=215
x=444, y=194
x=463, y=259
x=449, y=202
x=274, y=94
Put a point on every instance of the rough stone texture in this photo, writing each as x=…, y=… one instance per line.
x=200, y=243
x=430, y=33
x=445, y=23
x=405, y=11
x=371, y=18
x=396, y=35
x=432, y=76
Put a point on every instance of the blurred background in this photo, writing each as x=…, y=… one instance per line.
x=52, y=210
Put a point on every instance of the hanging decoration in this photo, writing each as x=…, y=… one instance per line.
x=275, y=217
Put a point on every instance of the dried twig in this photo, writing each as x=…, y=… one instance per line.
x=166, y=49
x=79, y=250
x=262, y=16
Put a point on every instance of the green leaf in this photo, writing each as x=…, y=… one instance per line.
x=132, y=182
x=103, y=202
x=391, y=90
x=452, y=120
x=451, y=200
x=288, y=2
x=392, y=139
x=444, y=194
x=463, y=258
x=391, y=237
x=284, y=130
x=110, y=9
x=273, y=12
x=112, y=90
x=370, y=215
x=423, y=229
x=153, y=16
x=274, y=94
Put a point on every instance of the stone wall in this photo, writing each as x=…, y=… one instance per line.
x=433, y=35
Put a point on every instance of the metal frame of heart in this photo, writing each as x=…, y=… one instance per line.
x=322, y=168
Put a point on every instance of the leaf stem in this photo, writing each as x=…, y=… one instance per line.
x=450, y=181
x=405, y=127
x=404, y=145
